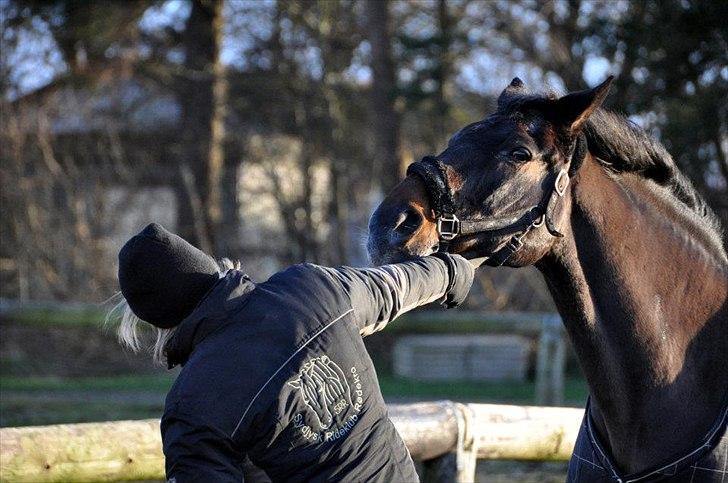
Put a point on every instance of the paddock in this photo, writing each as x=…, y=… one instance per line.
x=447, y=437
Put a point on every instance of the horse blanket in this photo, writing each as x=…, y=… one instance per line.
x=706, y=463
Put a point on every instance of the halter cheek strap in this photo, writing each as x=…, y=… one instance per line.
x=546, y=210
x=449, y=226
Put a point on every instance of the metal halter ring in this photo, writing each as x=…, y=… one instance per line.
x=562, y=177
x=448, y=226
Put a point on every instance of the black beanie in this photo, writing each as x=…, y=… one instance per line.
x=162, y=277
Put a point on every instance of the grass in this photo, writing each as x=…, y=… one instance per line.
x=507, y=392
x=50, y=400
x=58, y=315
x=154, y=382
x=57, y=412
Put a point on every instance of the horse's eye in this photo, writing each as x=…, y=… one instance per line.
x=521, y=154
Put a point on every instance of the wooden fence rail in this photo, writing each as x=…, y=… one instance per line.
x=448, y=437
x=546, y=327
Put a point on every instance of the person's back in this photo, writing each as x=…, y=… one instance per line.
x=278, y=372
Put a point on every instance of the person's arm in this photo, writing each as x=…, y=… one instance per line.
x=379, y=295
x=195, y=452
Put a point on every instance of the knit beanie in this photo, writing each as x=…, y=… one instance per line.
x=162, y=277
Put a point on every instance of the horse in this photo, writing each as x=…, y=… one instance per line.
x=631, y=254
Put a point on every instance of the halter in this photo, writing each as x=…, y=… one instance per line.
x=450, y=226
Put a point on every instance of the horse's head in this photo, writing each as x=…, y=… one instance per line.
x=500, y=178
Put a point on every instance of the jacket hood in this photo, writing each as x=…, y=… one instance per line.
x=211, y=314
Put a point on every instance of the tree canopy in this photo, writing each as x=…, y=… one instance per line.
x=343, y=93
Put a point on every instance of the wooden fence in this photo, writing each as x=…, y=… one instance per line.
x=547, y=328
x=448, y=437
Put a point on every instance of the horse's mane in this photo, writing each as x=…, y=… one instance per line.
x=622, y=147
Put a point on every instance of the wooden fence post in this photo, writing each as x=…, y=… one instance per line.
x=550, y=363
x=457, y=465
x=442, y=469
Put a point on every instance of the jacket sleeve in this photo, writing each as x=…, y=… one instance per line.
x=381, y=294
x=195, y=452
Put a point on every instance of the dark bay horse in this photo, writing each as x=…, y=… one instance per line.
x=631, y=254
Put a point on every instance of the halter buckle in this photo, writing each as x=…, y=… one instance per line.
x=515, y=243
x=448, y=226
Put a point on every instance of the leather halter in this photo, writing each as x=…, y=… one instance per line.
x=449, y=226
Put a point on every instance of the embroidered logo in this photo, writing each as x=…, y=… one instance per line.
x=326, y=392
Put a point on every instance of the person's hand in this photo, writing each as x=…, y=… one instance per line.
x=461, y=273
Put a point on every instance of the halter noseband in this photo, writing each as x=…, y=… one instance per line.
x=449, y=226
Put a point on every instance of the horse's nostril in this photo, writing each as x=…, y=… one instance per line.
x=408, y=221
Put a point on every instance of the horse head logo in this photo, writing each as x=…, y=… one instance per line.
x=323, y=387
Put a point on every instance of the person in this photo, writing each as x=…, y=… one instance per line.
x=277, y=371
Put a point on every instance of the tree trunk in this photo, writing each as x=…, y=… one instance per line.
x=216, y=159
x=383, y=94
x=228, y=234
x=442, y=73
x=202, y=92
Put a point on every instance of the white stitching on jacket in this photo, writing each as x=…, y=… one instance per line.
x=284, y=365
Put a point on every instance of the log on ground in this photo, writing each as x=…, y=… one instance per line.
x=112, y=451
x=529, y=433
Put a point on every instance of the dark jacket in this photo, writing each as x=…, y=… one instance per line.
x=278, y=371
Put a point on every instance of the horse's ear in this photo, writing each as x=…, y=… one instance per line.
x=295, y=383
x=515, y=87
x=516, y=83
x=572, y=110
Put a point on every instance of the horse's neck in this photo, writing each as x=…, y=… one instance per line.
x=645, y=307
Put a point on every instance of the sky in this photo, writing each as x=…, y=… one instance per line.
x=36, y=61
